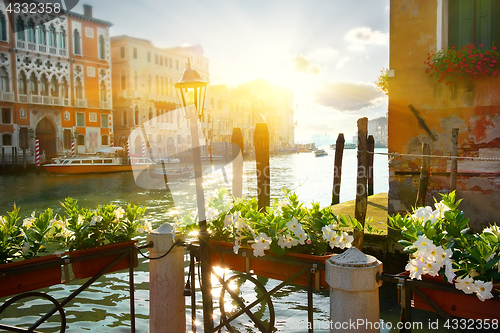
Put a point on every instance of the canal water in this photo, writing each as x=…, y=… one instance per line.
x=104, y=307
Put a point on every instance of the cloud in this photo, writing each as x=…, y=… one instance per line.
x=342, y=62
x=324, y=54
x=361, y=36
x=349, y=96
x=301, y=64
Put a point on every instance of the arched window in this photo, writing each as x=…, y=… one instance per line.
x=20, y=29
x=136, y=116
x=76, y=42
x=44, y=86
x=52, y=36
x=4, y=80
x=33, y=84
x=123, y=81
x=157, y=85
x=104, y=94
x=3, y=27
x=62, y=39
x=150, y=114
x=136, y=81
x=54, y=87
x=64, y=88
x=102, y=47
x=124, y=117
x=150, y=83
x=104, y=141
x=41, y=35
x=31, y=32
x=78, y=89
x=21, y=83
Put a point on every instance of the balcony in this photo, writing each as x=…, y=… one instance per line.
x=122, y=94
x=21, y=44
x=34, y=47
x=63, y=53
x=152, y=97
x=6, y=96
x=35, y=99
x=105, y=105
x=42, y=48
x=81, y=103
x=53, y=50
x=60, y=101
x=45, y=100
x=31, y=47
x=137, y=94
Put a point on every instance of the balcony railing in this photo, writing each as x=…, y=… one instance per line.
x=32, y=47
x=45, y=100
x=35, y=99
x=21, y=44
x=152, y=97
x=137, y=94
x=63, y=53
x=105, y=105
x=53, y=50
x=60, y=101
x=24, y=45
x=42, y=48
x=81, y=103
x=6, y=96
x=122, y=94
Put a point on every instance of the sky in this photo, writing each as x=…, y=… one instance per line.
x=328, y=53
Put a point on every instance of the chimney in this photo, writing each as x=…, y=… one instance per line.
x=87, y=10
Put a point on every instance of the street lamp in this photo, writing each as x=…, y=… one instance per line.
x=191, y=91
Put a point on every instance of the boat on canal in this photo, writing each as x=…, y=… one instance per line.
x=320, y=152
x=104, y=161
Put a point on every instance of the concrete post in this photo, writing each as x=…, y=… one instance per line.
x=354, y=301
x=167, y=307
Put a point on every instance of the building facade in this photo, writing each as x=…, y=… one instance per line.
x=144, y=94
x=425, y=109
x=55, y=82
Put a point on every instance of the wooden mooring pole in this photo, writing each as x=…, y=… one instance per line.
x=361, y=193
x=337, y=168
x=261, y=142
x=371, y=149
x=454, y=161
x=424, y=175
x=237, y=141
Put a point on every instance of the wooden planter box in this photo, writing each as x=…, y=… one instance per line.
x=457, y=304
x=274, y=270
x=29, y=275
x=91, y=267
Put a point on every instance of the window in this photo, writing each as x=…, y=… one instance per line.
x=122, y=52
x=156, y=59
x=102, y=47
x=6, y=116
x=30, y=32
x=41, y=35
x=33, y=84
x=104, y=140
x=136, y=116
x=134, y=52
x=7, y=139
x=150, y=83
x=78, y=89
x=62, y=39
x=124, y=118
x=76, y=42
x=149, y=56
x=80, y=119
x=170, y=62
x=54, y=87
x=123, y=81
x=104, y=93
x=64, y=88
x=161, y=61
x=473, y=21
x=67, y=138
x=177, y=64
x=93, y=117
x=81, y=140
x=20, y=29
x=136, y=81
x=4, y=80
x=52, y=36
x=150, y=114
x=157, y=85
x=3, y=27
x=44, y=86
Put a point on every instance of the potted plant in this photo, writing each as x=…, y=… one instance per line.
x=21, y=243
x=288, y=229
x=107, y=230
x=443, y=248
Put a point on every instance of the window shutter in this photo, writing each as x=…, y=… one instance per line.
x=453, y=23
x=466, y=23
x=495, y=23
x=483, y=23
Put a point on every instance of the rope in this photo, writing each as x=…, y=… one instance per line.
x=394, y=155
x=177, y=243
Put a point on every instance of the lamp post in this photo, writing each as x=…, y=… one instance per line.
x=191, y=91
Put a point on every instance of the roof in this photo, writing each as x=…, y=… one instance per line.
x=182, y=49
x=90, y=19
x=135, y=39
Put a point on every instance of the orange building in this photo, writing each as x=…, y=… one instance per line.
x=55, y=82
x=470, y=103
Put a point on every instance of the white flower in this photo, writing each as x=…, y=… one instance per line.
x=465, y=284
x=2, y=221
x=302, y=236
x=228, y=220
x=441, y=208
x=294, y=225
x=431, y=253
x=328, y=233
x=148, y=228
x=282, y=241
x=483, y=290
x=423, y=214
x=119, y=212
x=431, y=268
x=449, y=272
x=422, y=244
x=261, y=243
x=344, y=240
x=80, y=220
x=443, y=256
x=25, y=248
x=28, y=222
x=140, y=230
x=211, y=213
x=415, y=270
x=95, y=219
x=236, y=246
x=239, y=223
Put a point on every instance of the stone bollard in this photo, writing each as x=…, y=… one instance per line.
x=167, y=307
x=354, y=301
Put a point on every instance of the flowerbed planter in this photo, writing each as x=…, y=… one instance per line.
x=90, y=267
x=33, y=274
x=274, y=270
x=457, y=304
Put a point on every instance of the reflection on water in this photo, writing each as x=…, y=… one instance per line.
x=104, y=307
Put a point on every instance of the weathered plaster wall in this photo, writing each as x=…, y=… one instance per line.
x=471, y=105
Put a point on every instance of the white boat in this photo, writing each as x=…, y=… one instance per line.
x=320, y=152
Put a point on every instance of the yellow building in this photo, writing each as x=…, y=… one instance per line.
x=469, y=102
x=144, y=94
